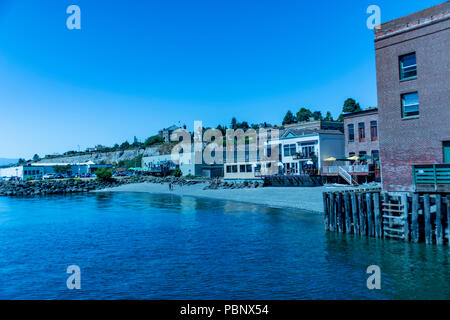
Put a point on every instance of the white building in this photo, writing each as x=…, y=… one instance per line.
x=38, y=170
x=186, y=164
x=302, y=149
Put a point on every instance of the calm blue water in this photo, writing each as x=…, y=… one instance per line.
x=139, y=246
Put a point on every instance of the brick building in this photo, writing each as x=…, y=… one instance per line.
x=413, y=71
x=361, y=134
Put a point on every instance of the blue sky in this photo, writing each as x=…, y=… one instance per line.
x=137, y=66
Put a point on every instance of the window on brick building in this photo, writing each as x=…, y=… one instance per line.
x=408, y=66
x=361, y=132
x=351, y=133
x=410, y=105
x=373, y=130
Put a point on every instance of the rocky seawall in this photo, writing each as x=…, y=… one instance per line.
x=49, y=187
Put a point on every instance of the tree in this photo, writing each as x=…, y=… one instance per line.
x=151, y=141
x=304, y=115
x=317, y=115
x=289, y=118
x=103, y=174
x=328, y=116
x=222, y=129
x=254, y=126
x=36, y=157
x=244, y=125
x=125, y=145
x=233, y=123
x=21, y=161
x=350, y=105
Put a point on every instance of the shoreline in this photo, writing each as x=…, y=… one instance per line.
x=302, y=198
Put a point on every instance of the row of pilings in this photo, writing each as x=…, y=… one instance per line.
x=410, y=217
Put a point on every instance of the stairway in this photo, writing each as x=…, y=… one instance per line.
x=347, y=176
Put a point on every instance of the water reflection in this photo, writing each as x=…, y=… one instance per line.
x=171, y=247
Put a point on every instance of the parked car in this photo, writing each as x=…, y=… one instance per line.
x=58, y=176
x=48, y=176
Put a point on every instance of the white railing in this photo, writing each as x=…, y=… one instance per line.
x=344, y=174
x=334, y=170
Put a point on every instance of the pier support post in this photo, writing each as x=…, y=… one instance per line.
x=370, y=220
x=355, y=214
x=377, y=213
x=362, y=215
x=326, y=210
x=448, y=220
x=439, y=231
x=348, y=214
x=332, y=213
x=340, y=216
x=415, y=219
x=405, y=217
x=427, y=215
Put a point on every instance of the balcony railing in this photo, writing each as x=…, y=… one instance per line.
x=351, y=169
x=431, y=178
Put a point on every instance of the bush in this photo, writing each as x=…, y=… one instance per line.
x=177, y=173
x=104, y=174
x=29, y=179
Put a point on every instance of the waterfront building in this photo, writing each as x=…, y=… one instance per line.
x=413, y=71
x=362, y=145
x=302, y=149
x=186, y=164
x=38, y=170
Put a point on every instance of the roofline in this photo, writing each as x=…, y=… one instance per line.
x=358, y=113
x=416, y=20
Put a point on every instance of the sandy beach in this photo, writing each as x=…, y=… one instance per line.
x=305, y=198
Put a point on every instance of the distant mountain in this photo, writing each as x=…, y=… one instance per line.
x=5, y=162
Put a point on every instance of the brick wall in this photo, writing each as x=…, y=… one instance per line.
x=404, y=143
x=368, y=145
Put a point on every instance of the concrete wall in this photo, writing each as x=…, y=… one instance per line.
x=405, y=142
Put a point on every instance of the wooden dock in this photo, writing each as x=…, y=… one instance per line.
x=406, y=217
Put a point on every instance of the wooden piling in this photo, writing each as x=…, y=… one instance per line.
x=405, y=217
x=348, y=214
x=326, y=210
x=415, y=218
x=332, y=213
x=355, y=214
x=439, y=231
x=427, y=215
x=362, y=215
x=339, y=213
x=377, y=213
x=370, y=220
x=448, y=220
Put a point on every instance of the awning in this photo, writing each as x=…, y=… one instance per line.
x=365, y=157
x=330, y=159
x=354, y=158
